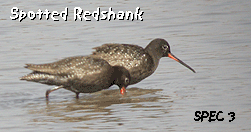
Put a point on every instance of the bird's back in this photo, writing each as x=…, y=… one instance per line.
x=134, y=58
x=76, y=72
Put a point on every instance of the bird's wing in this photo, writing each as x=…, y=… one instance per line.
x=74, y=66
x=126, y=55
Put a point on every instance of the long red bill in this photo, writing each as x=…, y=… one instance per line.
x=123, y=90
x=181, y=62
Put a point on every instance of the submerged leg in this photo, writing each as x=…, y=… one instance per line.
x=77, y=95
x=50, y=90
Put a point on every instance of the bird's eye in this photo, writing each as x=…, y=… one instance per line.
x=165, y=47
x=126, y=80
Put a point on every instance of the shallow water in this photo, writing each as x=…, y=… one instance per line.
x=213, y=37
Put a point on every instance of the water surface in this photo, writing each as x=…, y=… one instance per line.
x=213, y=37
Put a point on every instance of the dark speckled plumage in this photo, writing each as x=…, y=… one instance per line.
x=140, y=62
x=80, y=74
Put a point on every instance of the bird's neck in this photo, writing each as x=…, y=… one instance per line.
x=115, y=76
x=154, y=55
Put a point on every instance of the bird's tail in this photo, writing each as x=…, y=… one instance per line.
x=43, y=78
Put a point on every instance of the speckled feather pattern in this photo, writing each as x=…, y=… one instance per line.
x=134, y=58
x=80, y=74
x=77, y=66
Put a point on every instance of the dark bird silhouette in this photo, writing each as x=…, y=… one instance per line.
x=80, y=74
x=140, y=62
